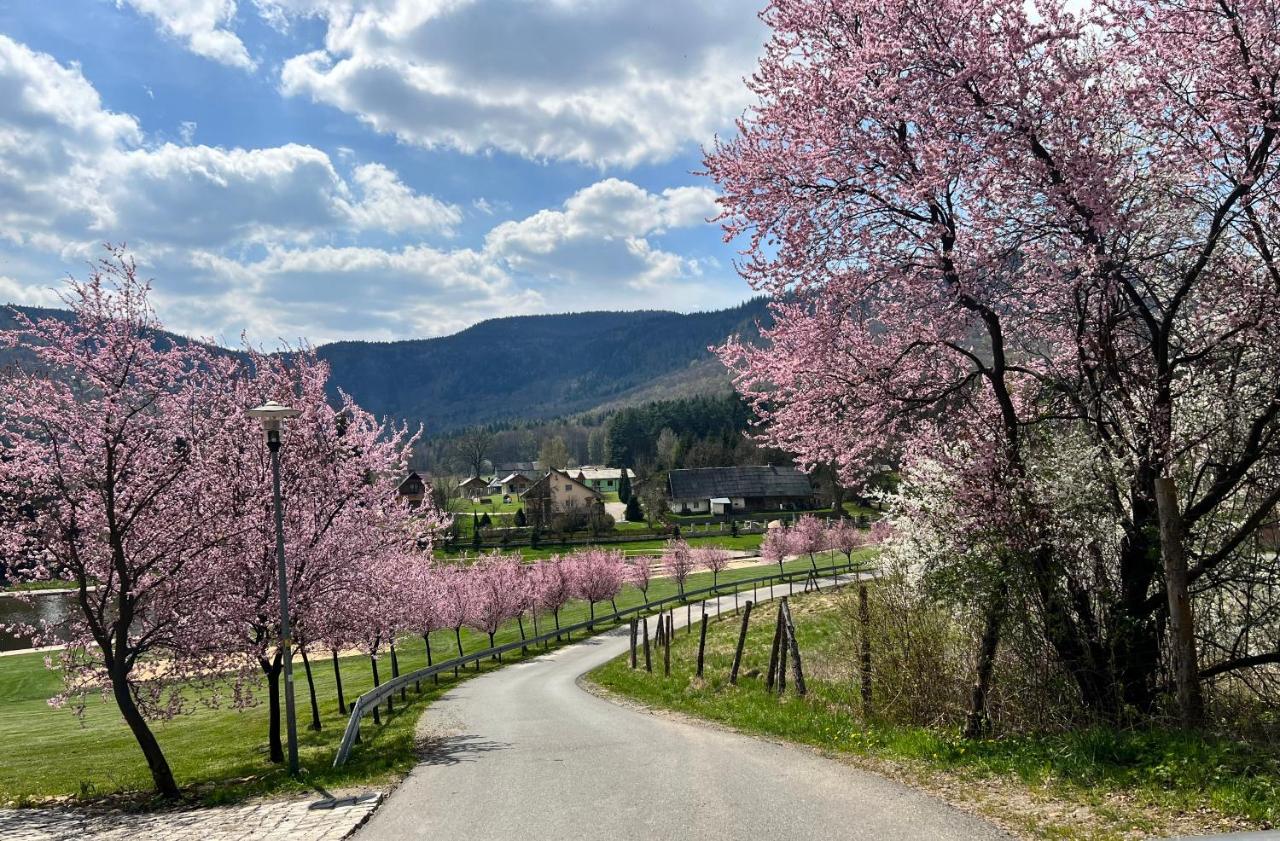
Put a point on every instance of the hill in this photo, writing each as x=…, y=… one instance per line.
x=533, y=367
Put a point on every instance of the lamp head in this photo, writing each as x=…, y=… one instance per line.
x=271, y=415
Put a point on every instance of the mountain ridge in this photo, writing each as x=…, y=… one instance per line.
x=529, y=367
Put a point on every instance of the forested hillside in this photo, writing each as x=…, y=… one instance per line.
x=536, y=367
x=529, y=368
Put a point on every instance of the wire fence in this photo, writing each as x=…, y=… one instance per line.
x=366, y=703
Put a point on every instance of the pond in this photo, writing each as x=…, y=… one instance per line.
x=31, y=609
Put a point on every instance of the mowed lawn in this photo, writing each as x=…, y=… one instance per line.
x=743, y=542
x=219, y=754
x=1093, y=783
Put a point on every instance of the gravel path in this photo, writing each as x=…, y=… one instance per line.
x=524, y=752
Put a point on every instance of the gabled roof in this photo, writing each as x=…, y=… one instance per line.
x=511, y=478
x=560, y=474
x=471, y=480
x=739, y=482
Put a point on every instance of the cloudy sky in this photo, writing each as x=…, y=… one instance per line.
x=371, y=168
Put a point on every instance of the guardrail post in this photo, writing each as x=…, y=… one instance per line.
x=742, y=640
x=702, y=640
x=648, y=663
x=633, y=643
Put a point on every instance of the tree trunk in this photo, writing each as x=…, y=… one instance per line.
x=395, y=672
x=161, y=774
x=373, y=661
x=1181, y=622
x=426, y=639
x=272, y=669
x=337, y=676
x=311, y=688
x=457, y=636
x=978, y=723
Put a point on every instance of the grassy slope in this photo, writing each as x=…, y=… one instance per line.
x=1096, y=783
x=221, y=752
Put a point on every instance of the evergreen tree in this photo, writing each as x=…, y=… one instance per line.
x=475, y=529
x=520, y=519
x=624, y=486
x=633, y=513
x=486, y=521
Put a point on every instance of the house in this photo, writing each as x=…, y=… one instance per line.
x=529, y=469
x=558, y=493
x=513, y=484
x=724, y=490
x=602, y=479
x=473, y=486
x=412, y=489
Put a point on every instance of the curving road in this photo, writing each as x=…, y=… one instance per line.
x=525, y=753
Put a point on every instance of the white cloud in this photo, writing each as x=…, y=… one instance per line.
x=71, y=172
x=15, y=291
x=599, y=237
x=603, y=82
x=386, y=204
x=205, y=26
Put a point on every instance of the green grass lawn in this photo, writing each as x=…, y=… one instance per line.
x=1141, y=781
x=220, y=754
x=464, y=505
x=744, y=542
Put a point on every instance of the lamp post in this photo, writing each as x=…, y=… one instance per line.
x=272, y=416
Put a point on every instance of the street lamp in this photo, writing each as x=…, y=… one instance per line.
x=272, y=416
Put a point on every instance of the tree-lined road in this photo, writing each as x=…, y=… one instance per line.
x=524, y=752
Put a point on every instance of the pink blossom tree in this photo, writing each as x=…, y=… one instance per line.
x=640, y=573
x=454, y=599
x=775, y=547
x=843, y=535
x=808, y=536
x=498, y=592
x=113, y=440
x=597, y=575
x=553, y=586
x=678, y=560
x=714, y=560
x=996, y=229
x=343, y=519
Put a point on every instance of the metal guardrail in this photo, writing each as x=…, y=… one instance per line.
x=366, y=702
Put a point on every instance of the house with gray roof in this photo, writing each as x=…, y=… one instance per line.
x=724, y=490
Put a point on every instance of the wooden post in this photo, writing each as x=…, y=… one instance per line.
x=742, y=640
x=772, y=675
x=648, y=662
x=688, y=618
x=735, y=599
x=702, y=642
x=633, y=643
x=797, y=670
x=864, y=623
x=1182, y=635
x=666, y=649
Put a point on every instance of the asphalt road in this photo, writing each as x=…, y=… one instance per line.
x=525, y=753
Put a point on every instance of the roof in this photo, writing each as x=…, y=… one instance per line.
x=507, y=479
x=562, y=475
x=739, y=482
x=471, y=480
x=590, y=473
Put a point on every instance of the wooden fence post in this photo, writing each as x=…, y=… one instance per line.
x=772, y=675
x=797, y=670
x=648, y=663
x=633, y=643
x=742, y=640
x=864, y=623
x=688, y=618
x=782, y=653
x=702, y=642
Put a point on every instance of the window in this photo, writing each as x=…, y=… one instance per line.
x=568, y=487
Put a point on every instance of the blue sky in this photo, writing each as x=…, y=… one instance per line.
x=380, y=169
